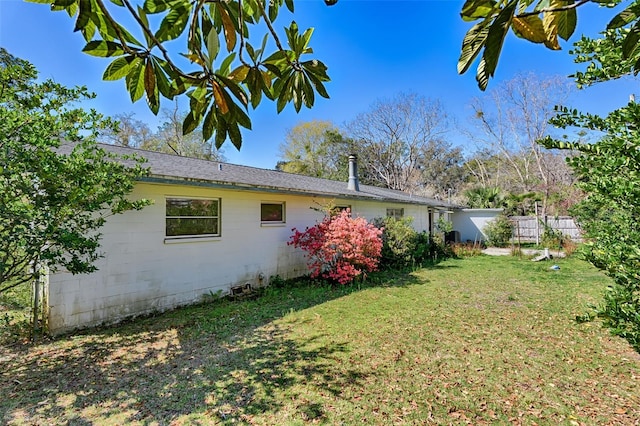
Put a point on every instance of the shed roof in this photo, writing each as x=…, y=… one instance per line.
x=168, y=168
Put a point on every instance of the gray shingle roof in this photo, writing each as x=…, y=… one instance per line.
x=175, y=169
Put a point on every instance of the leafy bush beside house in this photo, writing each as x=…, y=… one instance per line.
x=54, y=195
x=498, y=231
x=399, y=242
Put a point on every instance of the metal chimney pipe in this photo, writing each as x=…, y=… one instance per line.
x=353, y=174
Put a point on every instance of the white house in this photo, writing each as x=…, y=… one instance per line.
x=212, y=226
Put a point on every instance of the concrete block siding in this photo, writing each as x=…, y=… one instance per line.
x=142, y=271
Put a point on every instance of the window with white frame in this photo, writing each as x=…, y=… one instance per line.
x=272, y=212
x=395, y=213
x=192, y=217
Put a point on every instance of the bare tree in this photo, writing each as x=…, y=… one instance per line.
x=170, y=138
x=392, y=138
x=509, y=122
x=128, y=132
x=167, y=138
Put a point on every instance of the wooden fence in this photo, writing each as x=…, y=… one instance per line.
x=531, y=228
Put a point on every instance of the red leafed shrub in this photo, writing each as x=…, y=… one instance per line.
x=341, y=247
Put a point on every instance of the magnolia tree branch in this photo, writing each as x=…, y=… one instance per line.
x=158, y=44
x=554, y=9
x=116, y=28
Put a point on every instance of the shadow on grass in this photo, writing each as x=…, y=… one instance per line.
x=224, y=361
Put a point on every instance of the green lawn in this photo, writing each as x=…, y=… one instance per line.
x=485, y=340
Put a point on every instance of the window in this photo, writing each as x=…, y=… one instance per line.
x=340, y=209
x=189, y=217
x=272, y=213
x=395, y=213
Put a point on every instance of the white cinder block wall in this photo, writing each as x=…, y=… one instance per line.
x=142, y=271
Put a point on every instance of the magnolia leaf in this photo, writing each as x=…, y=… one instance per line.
x=476, y=9
x=84, y=16
x=560, y=23
x=209, y=123
x=529, y=28
x=240, y=73
x=296, y=91
x=251, y=51
x=174, y=23
x=472, y=45
x=241, y=117
x=221, y=133
x=317, y=84
x=234, y=135
x=630, y=42
x=317, y=68
x=277, y=58
x=225, y=67
x=157, y=6
x=550, y=24
x=135, y=81
x=266, y=78
x=213, y=45
x=481, y=75
x=630, y=14
x=120, y=67
x=274, y=8
x=145, y=20
x=493, y=44
x=151, y=88
x=264, y=44
x=254, y=83
x=229, y=28
x=307, y=91
x=164, y=85
x=193, y=58
x=283, y=89
x=304, y=41
x=237, y=91
x=219, y=97
x=289, y=4
x=103, y=49
x=190, y=123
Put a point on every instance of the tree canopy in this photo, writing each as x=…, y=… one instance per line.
x=57, y=186
x=315, y=148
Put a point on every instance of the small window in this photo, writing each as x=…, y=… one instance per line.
x=272, y=213
x=188, y=217
x=395, y=213
x=340, y=209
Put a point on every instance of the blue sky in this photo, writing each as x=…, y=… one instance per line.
x=374, y=49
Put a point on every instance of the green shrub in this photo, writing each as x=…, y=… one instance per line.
x=403, y=246
x=423, y=247
x=552, y=238
x=398, y=241
x=499, y=231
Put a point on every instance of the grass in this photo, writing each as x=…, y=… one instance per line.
x=15, y=313
x=483, y=340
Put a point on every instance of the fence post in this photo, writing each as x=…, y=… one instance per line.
x=537, y=226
